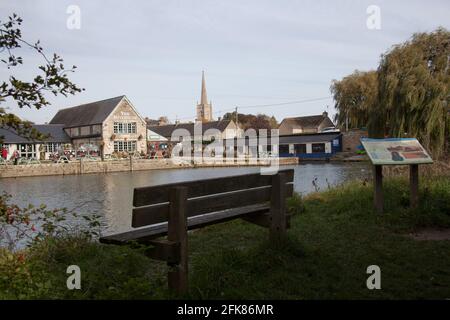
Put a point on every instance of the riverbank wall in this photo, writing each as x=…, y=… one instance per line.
x=85, y=167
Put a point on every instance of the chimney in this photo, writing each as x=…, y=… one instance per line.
x=325, y=114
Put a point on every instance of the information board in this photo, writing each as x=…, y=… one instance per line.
x=395, y=151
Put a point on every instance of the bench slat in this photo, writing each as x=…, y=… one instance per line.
x=156, y=194
x=156, y=231
x=154, y=214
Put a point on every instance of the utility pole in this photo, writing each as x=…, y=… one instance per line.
x=237, y=125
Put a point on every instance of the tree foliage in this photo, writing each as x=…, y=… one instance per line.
x=259, y=121
x=354, y=96
x=408, y=95
x=414, y=90
x=51, y=78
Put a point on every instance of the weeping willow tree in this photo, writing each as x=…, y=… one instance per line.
x=414, y=91
x=354, y=97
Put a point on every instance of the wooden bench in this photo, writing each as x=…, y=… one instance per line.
x=172, y=209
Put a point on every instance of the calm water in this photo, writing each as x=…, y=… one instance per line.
x=110, y=195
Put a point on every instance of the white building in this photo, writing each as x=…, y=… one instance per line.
x=56, y=140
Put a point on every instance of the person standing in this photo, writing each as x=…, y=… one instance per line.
x=16, y=157
x=4, y=153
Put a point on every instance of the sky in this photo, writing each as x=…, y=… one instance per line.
x=258, y=55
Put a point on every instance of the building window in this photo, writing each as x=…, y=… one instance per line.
x=27, y=150
x=300, y=148
x=284, y=148
x=124, y=128
x=132, y=127
x=335, y=142
x=318, y=147
x=52, y=147
x=128, y=146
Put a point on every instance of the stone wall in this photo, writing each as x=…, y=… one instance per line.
x=83, y=167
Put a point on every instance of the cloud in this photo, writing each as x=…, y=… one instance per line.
x=154, y=51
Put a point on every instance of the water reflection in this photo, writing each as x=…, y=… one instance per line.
x=110, y=195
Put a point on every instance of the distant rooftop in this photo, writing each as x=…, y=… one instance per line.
x=166, y=130
x=308, y=122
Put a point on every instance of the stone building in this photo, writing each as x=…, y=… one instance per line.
x=111, y=125
x=204, y=109
x=308, y=124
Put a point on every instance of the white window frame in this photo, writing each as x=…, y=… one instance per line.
x=125, y=146
x=52, y=147
x=27, y=153
x=125, y=127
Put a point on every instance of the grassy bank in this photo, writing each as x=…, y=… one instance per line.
x=334, y=236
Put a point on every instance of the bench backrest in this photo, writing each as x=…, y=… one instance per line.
x=151, y=204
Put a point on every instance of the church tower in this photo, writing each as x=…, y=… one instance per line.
x=204, y=109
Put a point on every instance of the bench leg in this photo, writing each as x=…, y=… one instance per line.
x=278, y=207
x=177, y=232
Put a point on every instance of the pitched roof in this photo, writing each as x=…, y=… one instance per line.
x=166, y=130
x=86, y=114
x=308, y=122
x=56, y=132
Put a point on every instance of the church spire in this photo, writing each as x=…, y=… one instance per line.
x=204, y=109
x=204, y=98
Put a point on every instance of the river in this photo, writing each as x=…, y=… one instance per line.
x=110, y=195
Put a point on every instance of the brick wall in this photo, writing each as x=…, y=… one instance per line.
x=351, y=140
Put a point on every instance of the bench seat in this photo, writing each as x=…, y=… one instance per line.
x=168, y=211
x=159, y=230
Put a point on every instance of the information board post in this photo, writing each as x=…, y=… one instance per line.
x=414, y=185
x=378, y=188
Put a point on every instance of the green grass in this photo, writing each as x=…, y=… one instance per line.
x=334, y=236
